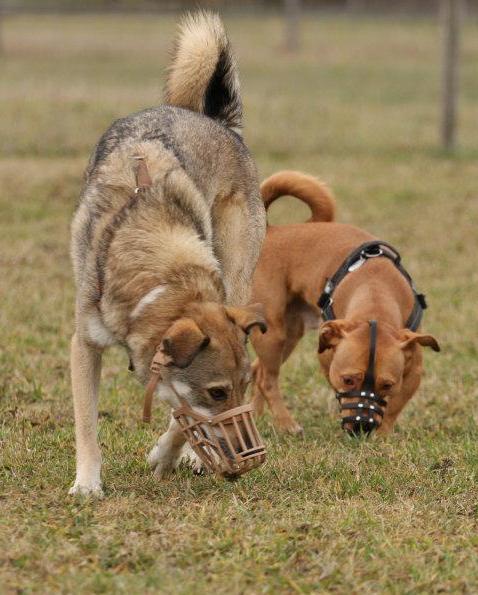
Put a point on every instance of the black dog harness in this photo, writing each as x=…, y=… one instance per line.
x=369, y=402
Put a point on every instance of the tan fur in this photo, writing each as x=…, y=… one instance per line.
x=196, y=231
x=308, y=189
x=199, y=44
x=295, y=262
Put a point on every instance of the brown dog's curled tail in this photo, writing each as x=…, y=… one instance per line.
x=304, y=187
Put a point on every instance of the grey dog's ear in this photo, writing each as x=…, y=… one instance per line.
x=247, y=317
x=331, y=332
x=182, y=342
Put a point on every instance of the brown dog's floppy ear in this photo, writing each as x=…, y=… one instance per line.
x=408, y=338
x=248, y=317
x=331, y=332
x=182, y=342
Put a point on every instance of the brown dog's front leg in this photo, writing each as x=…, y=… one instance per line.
x=272, y=349
x=283, y=419
x=85, y=379
x=257, y=398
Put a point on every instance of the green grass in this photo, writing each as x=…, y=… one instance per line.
x=358, y=107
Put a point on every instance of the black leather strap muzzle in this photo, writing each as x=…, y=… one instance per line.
x=369, y=404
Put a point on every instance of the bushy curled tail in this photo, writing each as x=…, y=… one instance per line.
x=306, y=188
x=203, y=75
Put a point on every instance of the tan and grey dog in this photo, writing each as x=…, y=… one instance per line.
x=164, y=245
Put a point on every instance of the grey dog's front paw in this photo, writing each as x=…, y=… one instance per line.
x=161, y=461
x=164, y=460
x=93, y=489
x=190, y=459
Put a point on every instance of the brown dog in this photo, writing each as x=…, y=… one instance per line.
x=294, y=266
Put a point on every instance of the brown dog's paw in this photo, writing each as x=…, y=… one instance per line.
x=289, y=426
x=384, y=430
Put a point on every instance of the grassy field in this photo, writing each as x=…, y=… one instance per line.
x=358, y=107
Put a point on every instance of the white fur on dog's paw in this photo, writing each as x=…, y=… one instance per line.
x=189, y=458
x=86, y=489
x=160, y=461
x=153, y=456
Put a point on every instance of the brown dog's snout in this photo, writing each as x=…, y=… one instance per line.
x=364, y=426
x=360, y=415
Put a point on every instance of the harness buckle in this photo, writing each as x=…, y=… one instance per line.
x=371, y=252
x=356, y=265
x=422, y=300
x=325, y=300
x=365, y=254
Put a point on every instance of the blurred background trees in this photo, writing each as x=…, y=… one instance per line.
x=294, y=12
x=379, y=6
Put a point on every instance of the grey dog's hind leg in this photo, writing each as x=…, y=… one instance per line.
x=238, y=235
x=85, y=378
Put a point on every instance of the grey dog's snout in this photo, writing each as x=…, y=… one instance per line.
x=225, y=448
x=238, y=448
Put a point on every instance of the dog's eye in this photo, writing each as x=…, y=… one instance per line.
x=387, y=386
x=218, y=394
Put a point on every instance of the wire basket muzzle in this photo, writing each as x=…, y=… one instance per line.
x=228, y=444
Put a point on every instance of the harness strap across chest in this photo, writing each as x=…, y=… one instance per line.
x=354, y=261
x=143, y=182
x=143, y=179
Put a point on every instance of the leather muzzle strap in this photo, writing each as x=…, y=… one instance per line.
x=159, y=359
x=148, y=397
x=143, y=179
x=369, y=401
x=155, y=367
x=143, y=182
x=369, y=380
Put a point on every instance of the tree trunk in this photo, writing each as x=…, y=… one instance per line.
x=451, y=14
x=292, y=25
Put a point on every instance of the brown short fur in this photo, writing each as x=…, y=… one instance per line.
x=293, y=267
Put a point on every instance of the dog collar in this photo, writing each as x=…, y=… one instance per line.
x=354, y=261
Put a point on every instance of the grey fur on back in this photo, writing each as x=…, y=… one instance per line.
x=196, y=136
x=178, y=130
x=212, y=156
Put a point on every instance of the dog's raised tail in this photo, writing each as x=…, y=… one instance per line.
x=306, y=188
x=203, y=76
